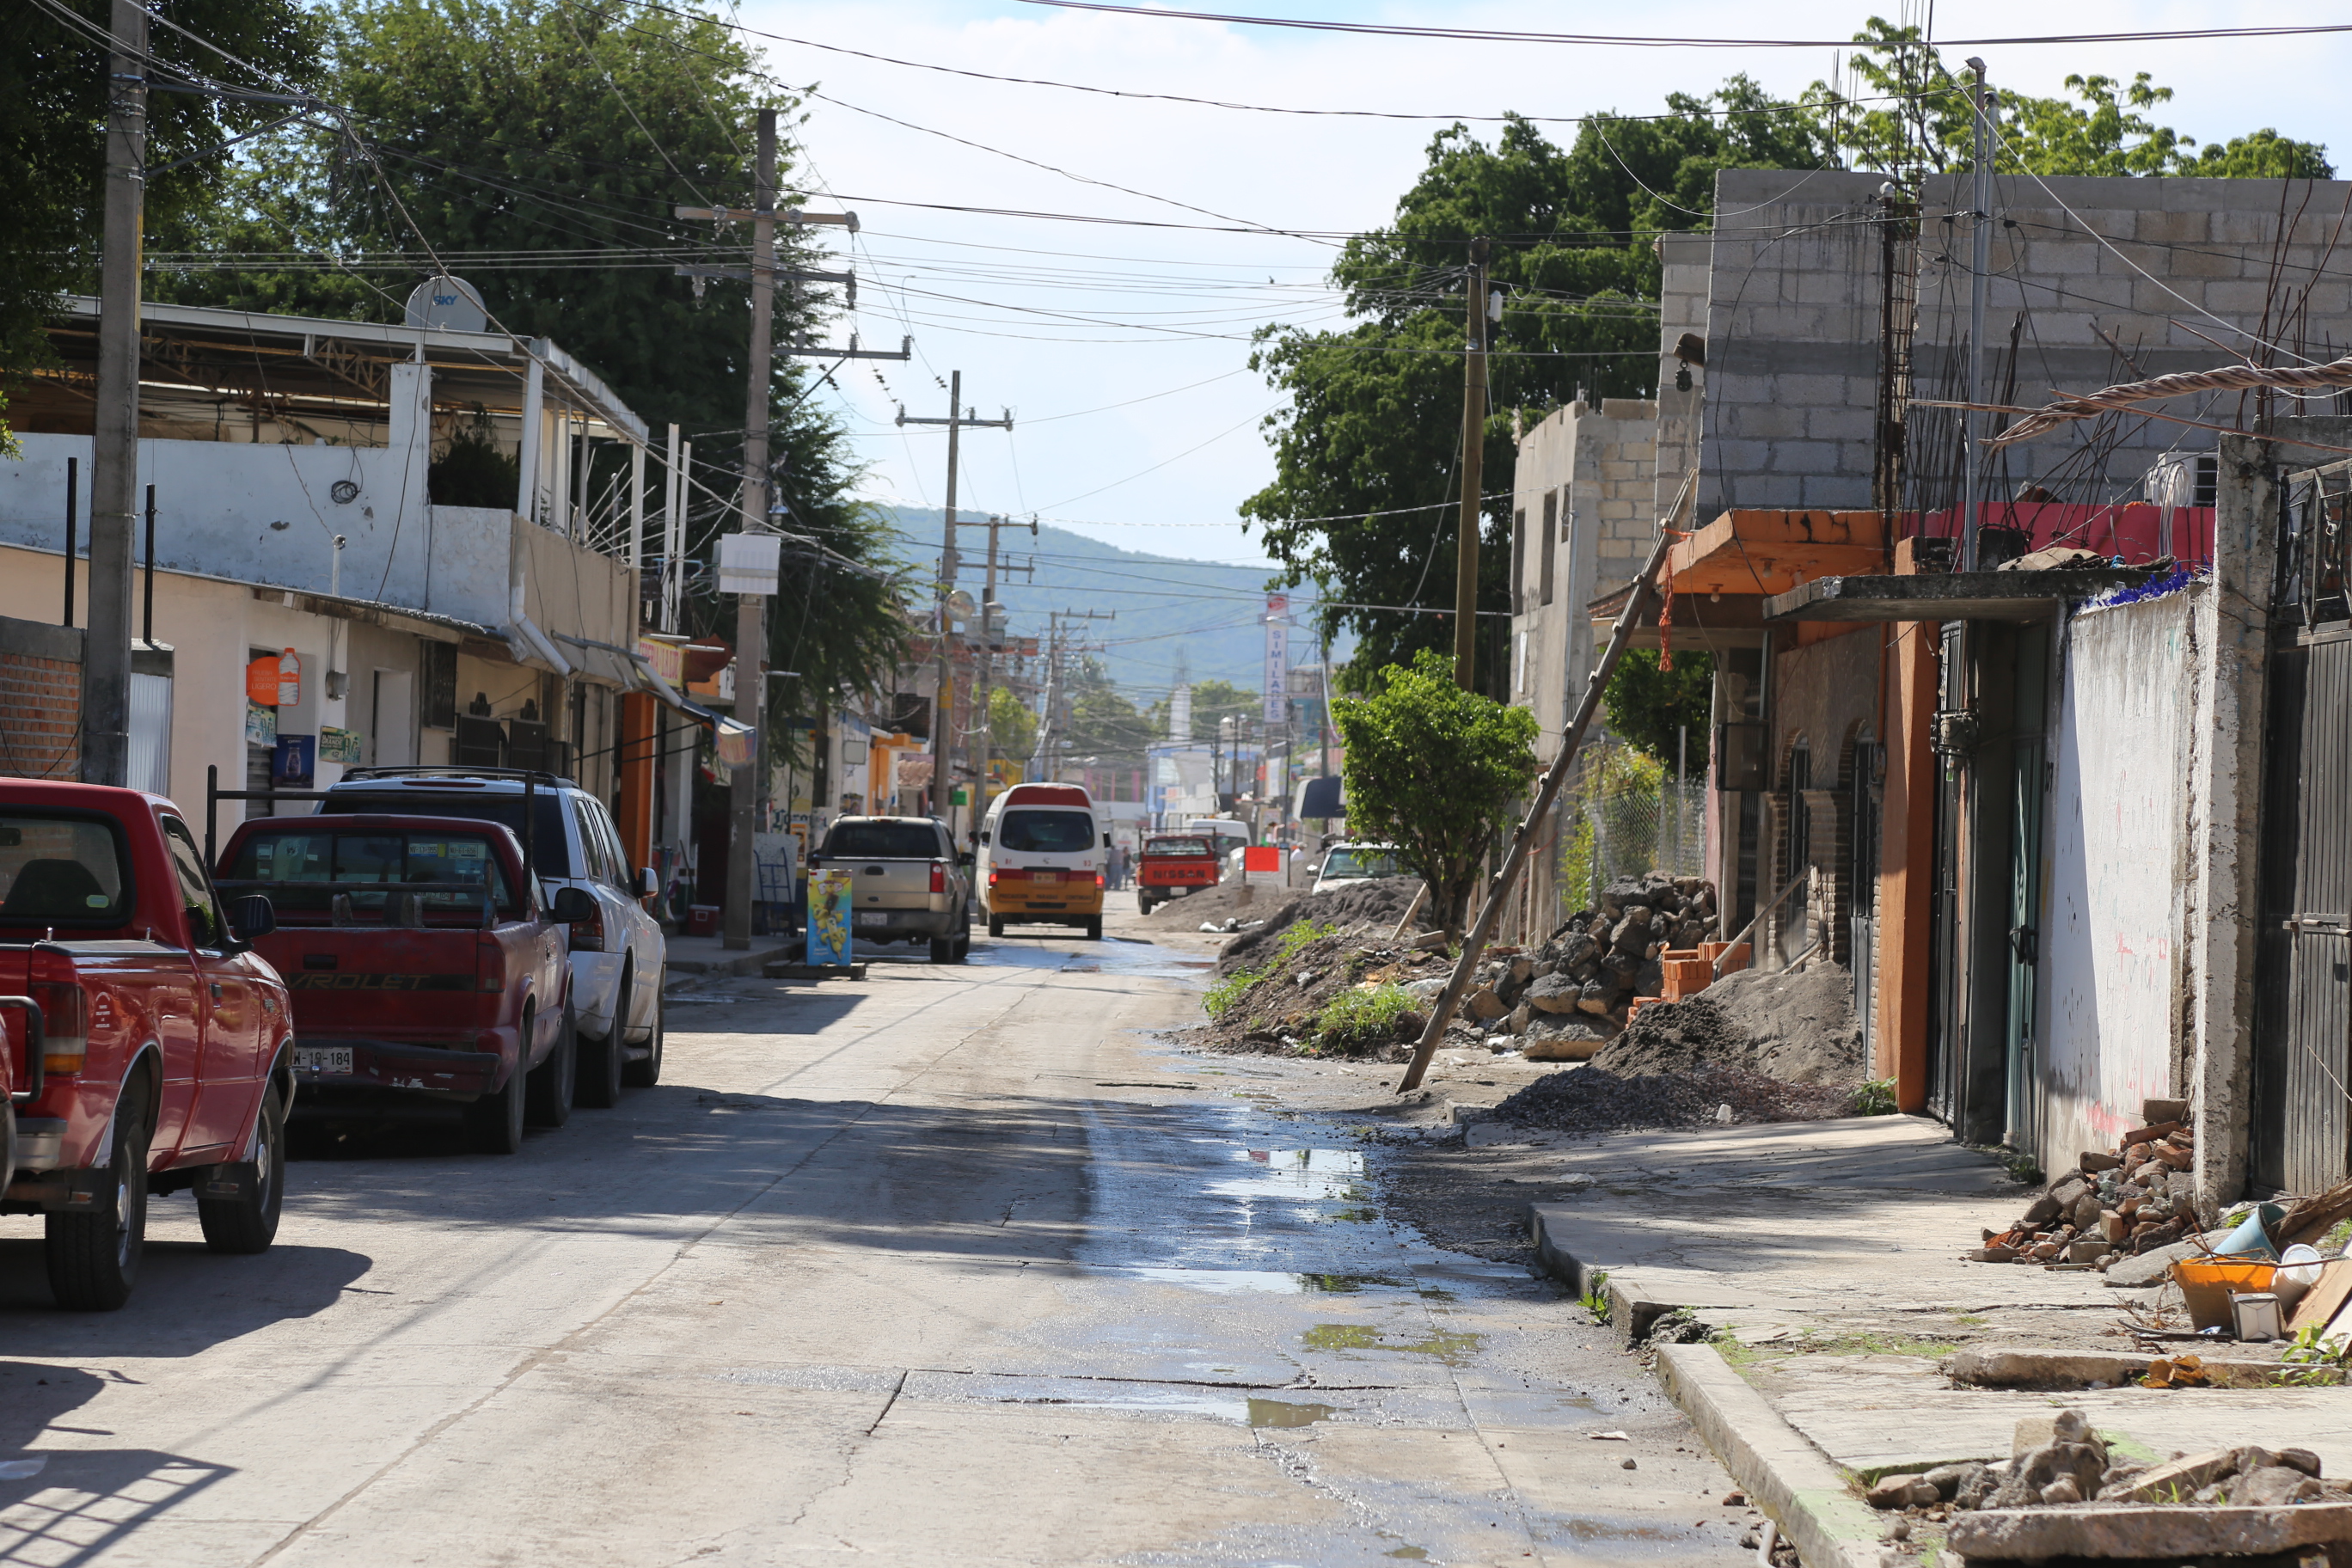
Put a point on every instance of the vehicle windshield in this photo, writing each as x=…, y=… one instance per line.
x=1177, y=847
x=551, y=850
x=882, y=841
x=61, y=870
x=285, y=859
x=1349, y=865
x=1046, y=832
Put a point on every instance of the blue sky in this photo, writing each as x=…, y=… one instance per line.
x=1122, y=350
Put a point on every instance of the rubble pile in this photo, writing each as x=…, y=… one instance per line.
x=2060, y=1460
x=1591, y=1099
x=2116, y=1202
x=1798, y=1028
x=1378, y=904
x=1275, y=1004
x=1601, y=959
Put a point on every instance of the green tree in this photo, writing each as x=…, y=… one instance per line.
x=1654, y=709
x=1436, y=771
x=1102, y=722
x=1371, y=434
x=1011, y=724
x=53, y=98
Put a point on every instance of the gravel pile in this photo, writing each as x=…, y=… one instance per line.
x=1590, y=1099
x=1798, y=1029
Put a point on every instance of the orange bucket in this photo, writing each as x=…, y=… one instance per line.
x=2205, y=1285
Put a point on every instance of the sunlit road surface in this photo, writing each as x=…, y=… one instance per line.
x=957, y=1265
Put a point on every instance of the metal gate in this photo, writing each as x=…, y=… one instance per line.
x=2302, y=1022
x=1946, y=1049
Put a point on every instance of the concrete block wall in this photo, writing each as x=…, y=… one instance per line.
x=40, y=700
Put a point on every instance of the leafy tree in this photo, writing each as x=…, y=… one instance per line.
x=1101, y=722
x=1011, y=724
x=1436, y=771
x=1372, y=432
x=1652, y=709
x=53, y=102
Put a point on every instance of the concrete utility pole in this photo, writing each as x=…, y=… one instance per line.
x=1474, y=449
x=1979, y=262
x=943, y=747
x=114, y=448
x=751, y=609
x=982, y=695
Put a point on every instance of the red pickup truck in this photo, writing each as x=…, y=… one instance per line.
x=426, y=973
x=148, y=1048
x=1172, y=865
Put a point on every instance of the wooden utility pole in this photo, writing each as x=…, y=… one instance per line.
x=943, y=701
x=1474, y=448
x=982, y=693
x=751, y=609
x=114, y=448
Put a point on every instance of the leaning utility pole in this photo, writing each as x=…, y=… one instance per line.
x=1979, y=261
x=943, y=701
x=1474, y=446
x=750, y=617
x=114, y=448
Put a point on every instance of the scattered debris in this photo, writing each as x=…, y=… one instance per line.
x=1798, y=1028
x=2135, y=1199
x=1590, y=1099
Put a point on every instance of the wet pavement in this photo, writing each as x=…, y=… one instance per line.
x=959, y=1264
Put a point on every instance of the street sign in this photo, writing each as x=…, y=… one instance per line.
x=749, y=562
x=1278, y=662
x=1261, y=866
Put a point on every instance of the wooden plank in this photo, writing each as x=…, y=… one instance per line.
x=2325, y=1298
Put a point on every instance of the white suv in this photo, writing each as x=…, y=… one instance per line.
x=619, y=958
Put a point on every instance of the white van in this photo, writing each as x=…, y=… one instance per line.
x=1041, y=850
x=1229, y=834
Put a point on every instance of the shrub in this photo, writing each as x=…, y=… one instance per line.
x=1875, y=1098
x=1358, y=1019
x=1227, y=993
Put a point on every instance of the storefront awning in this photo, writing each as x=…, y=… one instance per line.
x=1757, y=551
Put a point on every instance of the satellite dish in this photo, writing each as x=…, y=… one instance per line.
x=451, y=304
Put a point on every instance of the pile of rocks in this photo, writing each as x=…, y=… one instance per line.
x=1601, y=959
x=2059, y=1460
x=2132, y=1199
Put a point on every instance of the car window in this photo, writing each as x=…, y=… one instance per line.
x=549, y=854
x=1175, y=847
x=206, y=928
x=1349, y=864
x=57, y=869
x=616, y=856
x=597, y=863
x=883, y=841
x=287, y=857
x=1046, y=832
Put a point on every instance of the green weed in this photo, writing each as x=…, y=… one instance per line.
x=1300, y=934
x=1357, y=1020
x=1595, y=1298
x=1875, y=1098
x=1227, y=993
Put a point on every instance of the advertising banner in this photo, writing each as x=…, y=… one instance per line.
x=829, y=891
x=1261, y=866
x=1277, y=663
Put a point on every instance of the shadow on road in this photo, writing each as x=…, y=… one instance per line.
x=189, y=1298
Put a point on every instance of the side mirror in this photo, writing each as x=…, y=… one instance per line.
x=983, y=836
x=252, y=917
x=965, y=857
x=1105, y=840
x=572, y=904
x=648, y=882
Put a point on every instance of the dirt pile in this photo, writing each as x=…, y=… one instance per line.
x=1376, y=905
x=1590, y=1099
x=1798, y=1029
x=1314, y=991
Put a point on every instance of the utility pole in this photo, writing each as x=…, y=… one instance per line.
x=1474, y=444
x=114, y=448
x=1058, y=690
x=751, y=609
x=1980, y=260
x=943, y=702
x=982, y=693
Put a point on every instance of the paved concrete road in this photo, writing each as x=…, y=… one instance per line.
x=955, y=1265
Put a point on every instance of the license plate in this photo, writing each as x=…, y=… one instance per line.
x=322, y=1058
x=1052, y=878
x=873, y=917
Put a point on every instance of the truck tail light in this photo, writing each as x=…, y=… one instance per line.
x=1098, y=879
x=938, y=877
x=588, y=935
x=1009, y=874
x=490, y=966
x=65, y=1010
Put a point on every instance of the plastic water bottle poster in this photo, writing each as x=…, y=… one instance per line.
x=828, y=923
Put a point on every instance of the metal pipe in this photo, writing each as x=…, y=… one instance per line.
x=1753, y=920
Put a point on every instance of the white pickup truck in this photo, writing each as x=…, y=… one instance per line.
x=908, y=883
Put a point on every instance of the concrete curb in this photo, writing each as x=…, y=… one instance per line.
x=741, y=963
x=1632, y=1307
x=1792, y=1481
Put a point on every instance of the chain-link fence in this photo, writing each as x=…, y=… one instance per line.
x=1623, y=815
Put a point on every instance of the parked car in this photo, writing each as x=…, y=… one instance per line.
x=1346, y=863
x=619, y=955
x=150, y=1049
x=906, y=881
x=424, y=968
x=1041, y=859
x=1173, y=864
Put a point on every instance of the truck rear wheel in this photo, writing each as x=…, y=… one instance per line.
x=645, y=1071
x=942, y=950
x=1093, y=929
x=601, y=1061
x=249, y=1224
x=93, y=1255
x=548, y=1096
x=496, y=1120
x=996, y=925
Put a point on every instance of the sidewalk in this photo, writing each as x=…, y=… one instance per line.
x=1826, y=1256
x=699, y=956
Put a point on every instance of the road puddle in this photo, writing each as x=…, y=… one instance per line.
x=1453, y=1349
x=1266, y=1281
x=1283, y=1413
